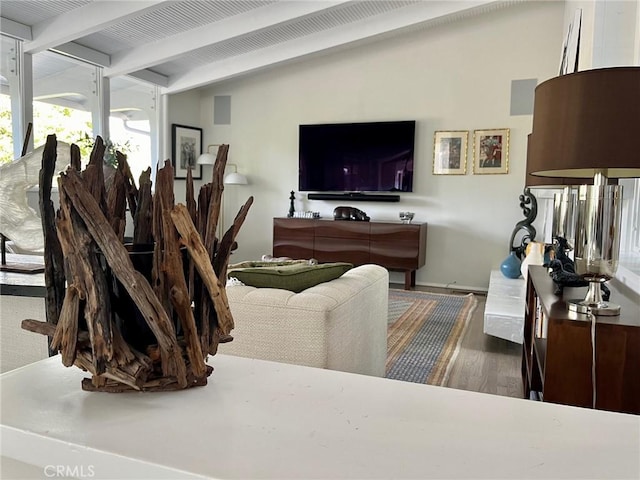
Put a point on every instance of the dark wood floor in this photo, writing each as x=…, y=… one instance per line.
x=484, y=363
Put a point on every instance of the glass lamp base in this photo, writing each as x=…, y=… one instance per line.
x=604, y=309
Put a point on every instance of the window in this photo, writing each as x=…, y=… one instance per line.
x=64, y=98
x=629, y=265
x=67, y=103
x=9, y=96
x=132, y=109
x=68, y=100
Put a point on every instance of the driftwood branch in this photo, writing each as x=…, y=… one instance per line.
x=142, y=233
x=53, y=258
x=88, y=280
x=215, y=200
x=220, y=262
x=93, y=175
x=192, y=207
x=224, y=250
x=76, y=159
x=66, y=334
x=117, y=204
x=134, y=376
x=158, y=275
x=190, y=198
x=155, y=385
x=168, y=247
x=136, y=285
x=131, y=191
x=198, y=254
x=48, y=329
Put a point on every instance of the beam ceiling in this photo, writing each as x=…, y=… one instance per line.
x=186, y=44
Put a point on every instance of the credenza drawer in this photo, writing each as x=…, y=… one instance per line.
x=342, y=229
x=356, y=251
x=292, y=238
x=391, y=256
x=393, y=245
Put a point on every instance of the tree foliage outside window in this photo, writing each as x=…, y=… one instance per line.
x=85, y=143
x=68, y=124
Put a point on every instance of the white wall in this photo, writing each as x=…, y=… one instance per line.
x=610, y=32
x=184, y=109
x=451, y=77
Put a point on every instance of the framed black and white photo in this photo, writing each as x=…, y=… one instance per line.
x=186, y=145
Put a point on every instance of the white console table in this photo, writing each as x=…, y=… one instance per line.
x=259, y=419
x=504, y=309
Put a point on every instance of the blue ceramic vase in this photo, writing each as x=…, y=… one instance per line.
x=510, y=266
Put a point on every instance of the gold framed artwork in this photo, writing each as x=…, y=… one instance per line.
x=450, y=152
x=491, y=151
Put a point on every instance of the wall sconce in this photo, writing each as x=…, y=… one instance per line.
x=208, y=158
x=232, y=178
x=585, y=126
x=235, y=178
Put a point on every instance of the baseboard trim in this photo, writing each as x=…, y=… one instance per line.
x=445, y=286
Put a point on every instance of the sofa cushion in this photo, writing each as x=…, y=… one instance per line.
x=293, y=277
x=268, y=263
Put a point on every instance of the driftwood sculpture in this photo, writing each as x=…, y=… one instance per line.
x=143, y=316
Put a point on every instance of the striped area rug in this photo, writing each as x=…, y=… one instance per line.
x=424, y=334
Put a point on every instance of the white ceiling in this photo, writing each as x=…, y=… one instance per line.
x=191, y=43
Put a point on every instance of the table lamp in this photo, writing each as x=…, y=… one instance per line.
x=585, y=126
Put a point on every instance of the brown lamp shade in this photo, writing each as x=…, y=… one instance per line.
x=550, y=182
x=584, y=123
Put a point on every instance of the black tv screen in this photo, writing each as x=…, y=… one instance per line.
x=357, y=157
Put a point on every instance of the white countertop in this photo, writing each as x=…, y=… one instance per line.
x=272, y=420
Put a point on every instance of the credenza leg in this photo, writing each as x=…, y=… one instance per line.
x=409, y=279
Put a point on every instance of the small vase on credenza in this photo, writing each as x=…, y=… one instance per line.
x=510, y=266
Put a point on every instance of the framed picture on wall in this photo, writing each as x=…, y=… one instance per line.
x=186, y=146
x=491, y=151
x=450, y=152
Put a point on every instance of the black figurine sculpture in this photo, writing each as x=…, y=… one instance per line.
x=560, y=248
x=291, y=209
x=529, y=206
x=563, y=278
x=511, y=266
x=350, y=213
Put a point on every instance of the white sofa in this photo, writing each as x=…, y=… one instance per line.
x=338, y=325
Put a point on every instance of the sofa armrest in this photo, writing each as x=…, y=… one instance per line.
x=340, y=325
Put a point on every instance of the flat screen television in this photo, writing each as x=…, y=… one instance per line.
x=357, y=157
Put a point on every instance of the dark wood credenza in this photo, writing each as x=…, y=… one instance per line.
x=557, y=349
x=393, y=245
